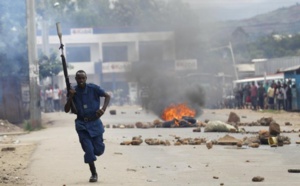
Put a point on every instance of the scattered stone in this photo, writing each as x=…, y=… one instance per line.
x=132, y=170
x=157, y=123
x=209, y=144
x=239, y=144
x=8, y=149
x=197, y=129
x=139, y=124
x=264, y=136
x=274, y=129
x=215, y=177
x=233, y=117
x=265, y=121
x=254, y=145
x=297, y=142
x=118, y=153
x=221, y=184
x=228, y=140
x=251, y=139
x=257, y=179
x=288, y=124
x=113, y=112
x=125, y=143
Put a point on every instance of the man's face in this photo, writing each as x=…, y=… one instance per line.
x=81, y=79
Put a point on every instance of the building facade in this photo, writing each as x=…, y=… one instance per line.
x=107, y=56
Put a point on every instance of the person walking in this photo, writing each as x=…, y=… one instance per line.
x=89, y=127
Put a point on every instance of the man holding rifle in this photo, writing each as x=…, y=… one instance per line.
x=86, y=98
x=84, y=101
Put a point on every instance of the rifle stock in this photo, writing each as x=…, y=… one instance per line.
x=64, y=64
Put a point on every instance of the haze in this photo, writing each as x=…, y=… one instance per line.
x=237, y=9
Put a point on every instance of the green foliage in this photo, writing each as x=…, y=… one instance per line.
x=275, y=47
x=27, y=126
x=49, y=66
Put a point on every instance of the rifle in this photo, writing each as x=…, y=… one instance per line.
x=64, y=64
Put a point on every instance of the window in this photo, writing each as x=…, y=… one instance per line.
x=78, y=54
x=115, y=53
x=151, y=51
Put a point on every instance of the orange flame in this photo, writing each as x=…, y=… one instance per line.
x=177, y=111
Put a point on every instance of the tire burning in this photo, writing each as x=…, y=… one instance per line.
x=177, y=111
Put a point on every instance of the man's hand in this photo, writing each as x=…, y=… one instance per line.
x=71, y=93
x=99, y=113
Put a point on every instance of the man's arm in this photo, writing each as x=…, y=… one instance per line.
x=101, y=111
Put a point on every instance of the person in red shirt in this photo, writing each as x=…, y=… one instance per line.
x=253, y=95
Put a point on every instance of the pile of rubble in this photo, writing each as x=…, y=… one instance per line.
x=270, y=137
x=6, y=127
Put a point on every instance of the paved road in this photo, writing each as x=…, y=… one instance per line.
x=58, y=158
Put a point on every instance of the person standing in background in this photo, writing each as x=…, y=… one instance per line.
x=49, y=99
x=261, y=96
x=254, y=96
x=56, y=98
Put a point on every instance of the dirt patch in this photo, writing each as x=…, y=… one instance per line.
x=14, y=155
x=6, y=127
x=14, y=159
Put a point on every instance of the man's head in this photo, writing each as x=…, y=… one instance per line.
x=80, y=78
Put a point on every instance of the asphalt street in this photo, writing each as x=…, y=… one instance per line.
x=58, y=159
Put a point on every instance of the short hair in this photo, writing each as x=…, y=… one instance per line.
x=80, y=71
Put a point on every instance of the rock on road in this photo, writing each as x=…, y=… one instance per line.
x=58, y=158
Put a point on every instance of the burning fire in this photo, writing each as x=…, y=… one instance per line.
x=177, y=111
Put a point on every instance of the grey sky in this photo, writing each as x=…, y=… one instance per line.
x=237, y=9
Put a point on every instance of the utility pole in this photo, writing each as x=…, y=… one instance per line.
x=229, y=46
x=233, y=61
x=35, y=111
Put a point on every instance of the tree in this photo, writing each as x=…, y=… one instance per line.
x=49, y=66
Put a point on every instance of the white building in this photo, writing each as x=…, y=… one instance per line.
x=106, y=57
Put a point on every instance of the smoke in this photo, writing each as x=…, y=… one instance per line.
x=166, y=87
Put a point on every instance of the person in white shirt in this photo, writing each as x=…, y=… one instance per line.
x=49, y=99
x=56, y=98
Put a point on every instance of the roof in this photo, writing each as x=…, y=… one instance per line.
x=293, y=68
x=245, y=67
x=258, y=60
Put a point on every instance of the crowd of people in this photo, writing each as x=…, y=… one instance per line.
x=53, y=99
x=271, y=95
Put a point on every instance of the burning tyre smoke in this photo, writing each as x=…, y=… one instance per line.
x=168, y=91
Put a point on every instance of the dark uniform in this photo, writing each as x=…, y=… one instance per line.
x=89, y=128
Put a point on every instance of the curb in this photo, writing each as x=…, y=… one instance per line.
x=14, y=133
